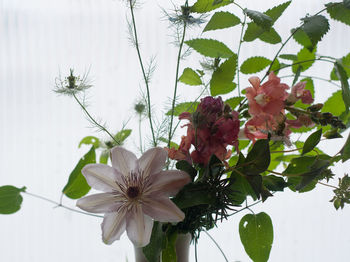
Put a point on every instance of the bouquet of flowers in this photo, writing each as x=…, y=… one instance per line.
x=237, y=144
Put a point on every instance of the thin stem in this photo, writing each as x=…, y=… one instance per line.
x=92, y=119
x=327, y=185
x=195, y=251
x=244, y=208
x=238, y=52
x=304, y=61
x=315, y=77
x=285, y=42
x=60, y=205
x=176, y=82
x=217, y=245
x=140, y=120
x=286, y=151
x=143, y=72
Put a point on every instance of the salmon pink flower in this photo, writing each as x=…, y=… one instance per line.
x=136, y=191
x=299, y=92
x=268, y=97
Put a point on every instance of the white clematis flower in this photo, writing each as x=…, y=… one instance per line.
x=136, y=192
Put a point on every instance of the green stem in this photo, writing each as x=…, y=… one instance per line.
x=143, y=72
x=93, y=120
x=314, y=77
x=217, y=245
x=171, y=132
x=60, y=205
x=140, y=134
x=238, y=52
x=327, y=185
x=304, y=61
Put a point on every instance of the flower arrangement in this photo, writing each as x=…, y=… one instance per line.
x=235, y=141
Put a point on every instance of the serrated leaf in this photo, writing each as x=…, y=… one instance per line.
x=341, y=73
x=210, y=47
x=334, y=104
x=312, y=141
x=259, y=18
x=339, y=12
x=276, y=66
x=221, y=81
x=315, y=27
x=304, y=55
x=234, y=101
x=190, y=77
x=203, y=6
x=302, y=38
x=254, y=64
x=77, y=186
x=256, y=233
x=254, y=31
x=184, y=107
x=90, y=140
x=270, y=36
x=10, y=199
x=221, y=20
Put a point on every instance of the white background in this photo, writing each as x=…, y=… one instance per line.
x=40, y=131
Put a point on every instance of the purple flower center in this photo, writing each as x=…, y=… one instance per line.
x=133, y=192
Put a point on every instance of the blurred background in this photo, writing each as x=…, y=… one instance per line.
x=40, y=131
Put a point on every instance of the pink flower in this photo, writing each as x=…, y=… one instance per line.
x=299, y=92
x=267, y=98
x=136, y=192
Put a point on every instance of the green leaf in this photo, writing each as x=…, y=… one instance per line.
x=271, y=37
x=339, y=12
x=240, y=189
x=221, y=81
x=77, y=186
x=234, y=101
x=104, y=157
x=10, y=199
x=299, y=165
x=190, y=77
x=341, y=73
x=345, y=62
x=316, y=171
x=209, y=47
x=222, y=20
x=254, y=64
x=258, y=157
x=254, y=31
x=304, y=55
x=334, y=104
x=294, y=181
x=274, y=183
x=169, y=252
x=289, y=57
x=256, y=233
x=122, y=135
x=203, y=6
x=302, y=38
x=260, y=19
x=315, y=27
x=346, y=3
x=154, y=248
x=90, y=140
x=312, y=141
x=187, y=167
x=184, y=107
x=345, y=151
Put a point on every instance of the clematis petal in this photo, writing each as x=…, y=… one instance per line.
x=162, y=209
x=100, y=203
x=113, y=226
x=138, y=227
x=152, y=161
x=124, y=161
x=168, y=182
x=102, y=177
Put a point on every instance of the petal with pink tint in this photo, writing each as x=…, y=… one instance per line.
x=102, y=177
x=113, y=226
x=100, y=203
x=274, y=107
x=162, y=209
x=123, y=160
x=255, y=81
x=168, y=182
x=152, y=161
x=138, y=227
